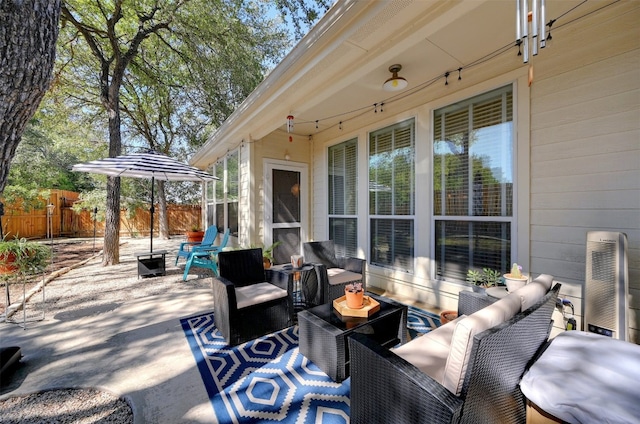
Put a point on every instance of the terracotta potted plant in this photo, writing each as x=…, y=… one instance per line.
x=195, y=235
x=354, y=295
x=22, y=255
x=267, y=255
x=515, y=279
x=448, y=316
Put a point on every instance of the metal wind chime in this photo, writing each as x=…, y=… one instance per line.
x=534, y=18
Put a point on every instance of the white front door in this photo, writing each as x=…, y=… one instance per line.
x=286, y=200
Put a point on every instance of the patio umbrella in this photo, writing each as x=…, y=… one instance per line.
x=152, y=165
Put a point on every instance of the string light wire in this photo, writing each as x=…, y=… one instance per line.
x=361, y=111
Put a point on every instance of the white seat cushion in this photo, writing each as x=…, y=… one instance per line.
x=466, y=329
x=429, y=353
x=258, y=293
x=342, y=276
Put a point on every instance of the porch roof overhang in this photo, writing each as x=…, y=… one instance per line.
x=338, y=68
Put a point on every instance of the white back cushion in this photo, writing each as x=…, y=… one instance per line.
x=462, y=340
x=545, y=279
x=530, y=294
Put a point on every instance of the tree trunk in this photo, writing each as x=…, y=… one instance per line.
x=163, y=219
x=28, y=35
x=111, y=255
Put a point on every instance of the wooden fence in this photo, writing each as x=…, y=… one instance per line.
x=67, y=223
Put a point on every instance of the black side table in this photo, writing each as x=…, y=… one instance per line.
x=151, y=264
x=303, y=285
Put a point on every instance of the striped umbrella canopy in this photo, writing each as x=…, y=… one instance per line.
x=151, y=164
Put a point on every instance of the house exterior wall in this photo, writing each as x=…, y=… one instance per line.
x=578, y=158
x=585, y=150
x=252, y=197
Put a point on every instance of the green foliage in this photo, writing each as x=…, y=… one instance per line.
x=30, y=257
x=487, y=278
x=27, y=196
x=302, y=14
x=267, y=252
x=54, y=140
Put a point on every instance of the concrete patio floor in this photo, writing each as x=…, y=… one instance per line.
x=105, y=328
x=134, y=348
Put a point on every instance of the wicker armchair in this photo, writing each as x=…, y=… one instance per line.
x=246, y=303
x=387, y=388
x=335, y=272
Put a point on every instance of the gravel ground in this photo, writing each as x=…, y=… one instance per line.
x=79, y=406
x=108, y=286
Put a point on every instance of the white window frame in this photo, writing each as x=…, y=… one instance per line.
x=225, y=201
x=520, y=231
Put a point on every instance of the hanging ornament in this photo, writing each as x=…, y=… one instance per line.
x=289, y=123
x=530, y=24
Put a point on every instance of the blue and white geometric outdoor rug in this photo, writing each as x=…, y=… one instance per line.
x=268, y=380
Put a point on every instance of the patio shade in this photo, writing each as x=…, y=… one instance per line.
x=151, y=165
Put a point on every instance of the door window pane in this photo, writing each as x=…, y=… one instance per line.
x=290, y=244
x=286, y=196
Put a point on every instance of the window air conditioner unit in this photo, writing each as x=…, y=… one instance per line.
x=606, y=284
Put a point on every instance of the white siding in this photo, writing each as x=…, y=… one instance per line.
x=581, y=150
x=585, y=149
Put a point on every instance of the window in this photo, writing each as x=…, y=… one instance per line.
x=224, y=205
x=473, y=177
x=391, y=195
x=343, y=182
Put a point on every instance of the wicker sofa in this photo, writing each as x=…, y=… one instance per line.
x=466, y=371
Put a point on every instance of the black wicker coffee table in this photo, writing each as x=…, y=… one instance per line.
x=323, y=333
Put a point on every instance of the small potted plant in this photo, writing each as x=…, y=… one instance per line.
x=354, y=295
x=515, y=279
x=267, y=254
x=482, y=280
x=195, y=235
x=23, y=256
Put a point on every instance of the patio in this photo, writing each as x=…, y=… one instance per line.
x=107, y=329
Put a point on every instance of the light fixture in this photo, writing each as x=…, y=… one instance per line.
x=395, y=83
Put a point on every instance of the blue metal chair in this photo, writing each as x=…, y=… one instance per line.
x=207, y=241
x=205, y=257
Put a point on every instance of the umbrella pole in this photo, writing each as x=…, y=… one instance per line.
x=152, y=210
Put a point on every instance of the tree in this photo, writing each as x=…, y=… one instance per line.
x=28, y=35
x=173, y=95
x=113, y=35
x=110, y=42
